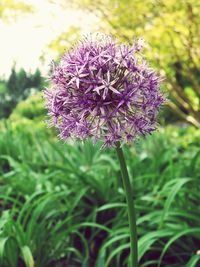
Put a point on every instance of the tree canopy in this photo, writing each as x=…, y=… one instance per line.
x=172, y=30
x=10, y=9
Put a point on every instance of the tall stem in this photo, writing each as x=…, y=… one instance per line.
x=130, y=207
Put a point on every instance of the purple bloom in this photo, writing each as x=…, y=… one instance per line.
x=104, y=90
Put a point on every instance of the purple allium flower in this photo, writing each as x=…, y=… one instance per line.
x=104, y=90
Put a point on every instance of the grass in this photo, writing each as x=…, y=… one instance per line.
x=64, y=205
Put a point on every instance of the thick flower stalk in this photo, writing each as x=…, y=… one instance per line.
x=104, y=90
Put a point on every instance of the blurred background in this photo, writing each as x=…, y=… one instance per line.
x=63, y=204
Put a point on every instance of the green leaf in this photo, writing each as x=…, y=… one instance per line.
x=27, y=256
x=174, y=189
x=193, y=231
x=9, y=251
x=193, y=261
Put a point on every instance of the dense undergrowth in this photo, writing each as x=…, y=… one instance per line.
x=64, y=205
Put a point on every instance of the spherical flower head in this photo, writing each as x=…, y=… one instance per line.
x=104, y=90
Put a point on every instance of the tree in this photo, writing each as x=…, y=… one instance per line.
x=10, y=9
x=172, y=28
x=65, y=40
x=17, y=88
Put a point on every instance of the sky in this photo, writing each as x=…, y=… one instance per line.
x=24, y=40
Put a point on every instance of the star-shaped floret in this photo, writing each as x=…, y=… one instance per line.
x=107, y=84
x=77, y=75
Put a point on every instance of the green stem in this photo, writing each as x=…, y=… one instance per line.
x=130, y=206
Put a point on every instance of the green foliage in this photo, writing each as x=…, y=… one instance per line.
x=64, y=205
x=65, y=40
x=17, y=88
x=10, y=9
x=31, y=108
x=171, y=29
